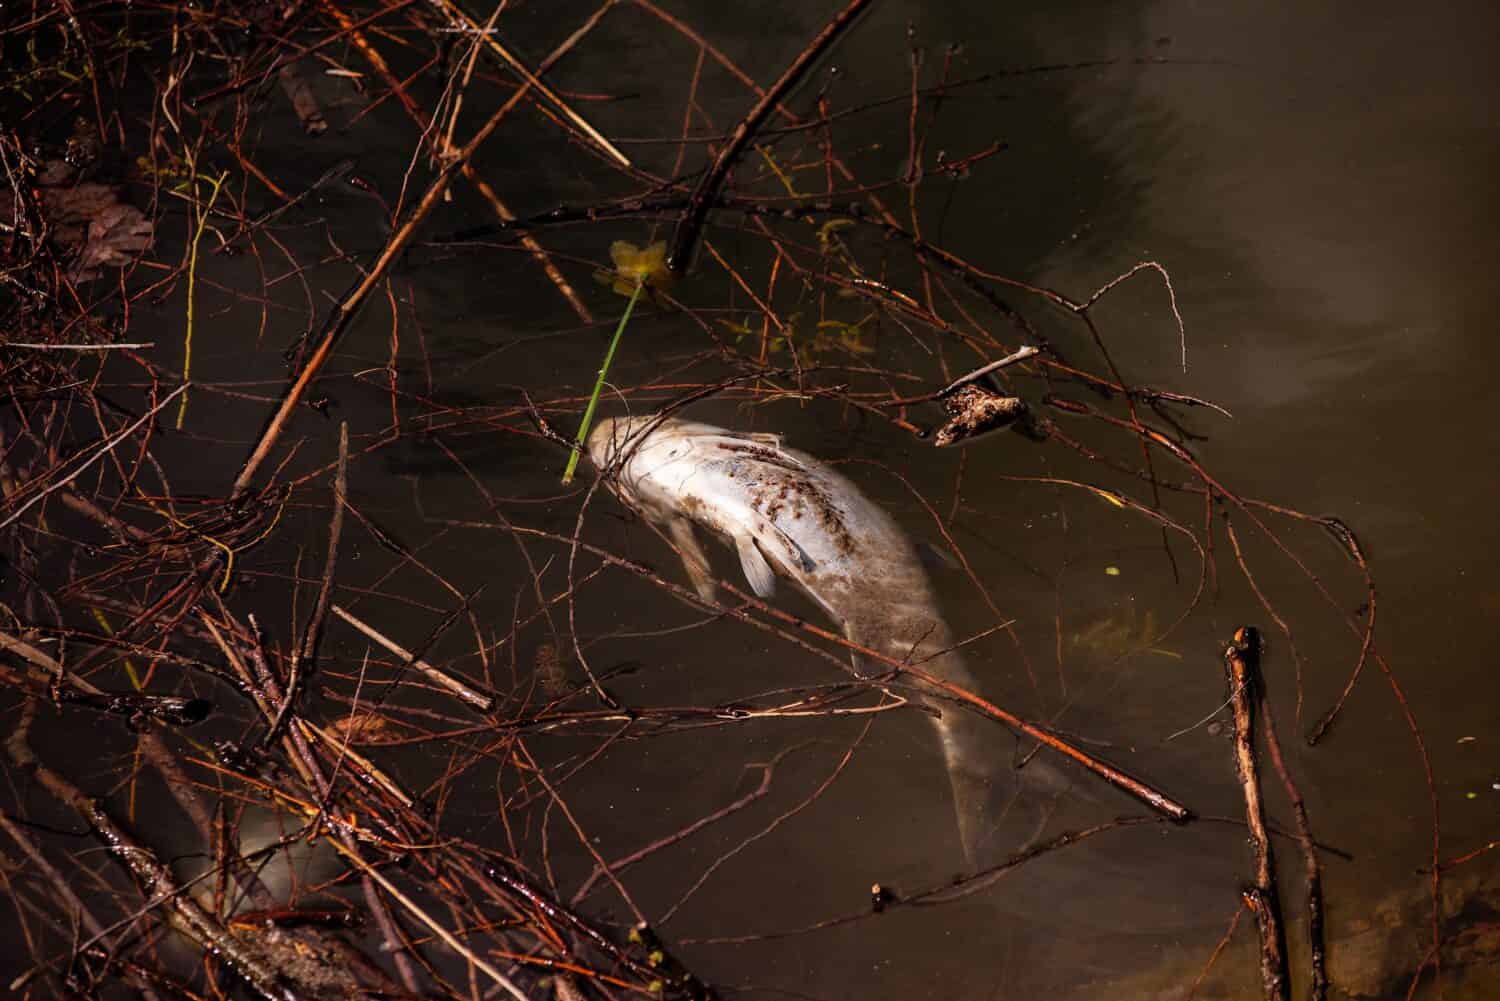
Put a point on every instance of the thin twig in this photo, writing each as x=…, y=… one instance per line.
x=435, y=926
x=1019, y=355
x=108, y=446
x=119, y=346
x=484, y=703
x=685, y=239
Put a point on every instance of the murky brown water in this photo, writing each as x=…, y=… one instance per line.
x=1319, y=181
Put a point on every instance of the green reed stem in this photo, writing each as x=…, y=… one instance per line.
x=187, y=341
x=609, y=356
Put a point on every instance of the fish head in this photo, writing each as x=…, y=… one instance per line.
x=632, y=444
x=619, y=440
x=610, y=438
x=612, y=445
x=643, y=457
x=679, y=473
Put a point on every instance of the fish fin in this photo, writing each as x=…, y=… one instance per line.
x=774, y=442
x=757, y=571
x=935, y=557
x=759, y=437
x=694, y=559
x=783, y=548
x=863, y=631
x=807, y=562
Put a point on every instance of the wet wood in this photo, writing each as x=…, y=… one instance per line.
x=1242, y=665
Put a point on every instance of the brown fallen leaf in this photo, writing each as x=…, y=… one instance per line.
x=295, y=86
x=90, y=218
x=365, y=728
x=117, y=235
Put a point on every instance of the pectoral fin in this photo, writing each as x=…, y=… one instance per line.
x=757, y=571
x=694, y=559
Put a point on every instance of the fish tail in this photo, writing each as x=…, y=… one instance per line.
x=976, y=753
x=976, y=750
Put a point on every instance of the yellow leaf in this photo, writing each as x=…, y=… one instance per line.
x=829, y=228
x=635, y=266
x=1106, y=495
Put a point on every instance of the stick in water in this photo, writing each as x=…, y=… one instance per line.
x=1241, y=664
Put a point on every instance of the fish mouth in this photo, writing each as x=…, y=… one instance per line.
x=612, y=437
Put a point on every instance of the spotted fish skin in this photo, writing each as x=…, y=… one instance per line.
x=789, y=516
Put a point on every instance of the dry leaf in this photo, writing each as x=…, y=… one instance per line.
x=91, y=219
x=117, y=235
x=364, y=728
x=304, y=104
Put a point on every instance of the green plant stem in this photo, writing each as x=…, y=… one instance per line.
x=187, y=341
x=609, y=356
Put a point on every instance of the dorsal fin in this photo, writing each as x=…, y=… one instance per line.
x=758, y=446
x=768, y=438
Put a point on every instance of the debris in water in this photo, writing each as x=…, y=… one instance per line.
x=296, y=88
x=974, y=410
x=90, y=219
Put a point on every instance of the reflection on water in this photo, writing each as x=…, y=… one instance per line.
x=1317, y=212
x=1319, y=184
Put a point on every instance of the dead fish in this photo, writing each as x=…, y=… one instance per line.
x=788, y=515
